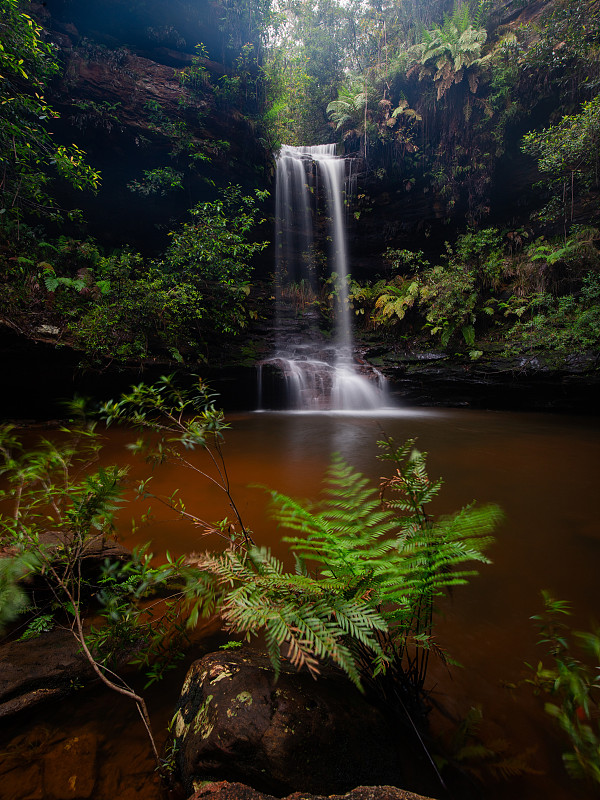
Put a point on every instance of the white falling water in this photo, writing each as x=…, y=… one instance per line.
x=318, y=375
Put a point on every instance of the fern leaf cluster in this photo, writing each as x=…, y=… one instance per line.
x=370, y=562
x=310, y=618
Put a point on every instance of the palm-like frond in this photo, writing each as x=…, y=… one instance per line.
x=449, y=53
x=348, y=110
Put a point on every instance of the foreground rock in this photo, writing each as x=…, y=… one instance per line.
x=51, y=665
x=35, y=670
x=234, y=722
x=237, y=791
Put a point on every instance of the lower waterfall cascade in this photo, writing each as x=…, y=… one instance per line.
x=318, y=373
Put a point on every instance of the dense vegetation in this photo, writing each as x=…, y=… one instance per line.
x=121, y=306
x=433, y=102
x=490, y=292
x=429, y=99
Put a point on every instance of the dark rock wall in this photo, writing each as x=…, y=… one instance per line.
x=129, y=56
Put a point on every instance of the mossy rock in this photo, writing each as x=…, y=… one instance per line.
x=235, y=722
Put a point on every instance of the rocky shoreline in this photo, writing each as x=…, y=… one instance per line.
x=43, y=377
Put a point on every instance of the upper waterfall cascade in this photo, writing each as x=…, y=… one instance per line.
x=320, y=373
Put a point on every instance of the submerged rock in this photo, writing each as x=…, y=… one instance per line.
x=70, y=768
x=235, y=722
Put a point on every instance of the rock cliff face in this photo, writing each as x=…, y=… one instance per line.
x=401, y=205
x=123, y=100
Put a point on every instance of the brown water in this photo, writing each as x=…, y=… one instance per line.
x=543, y=470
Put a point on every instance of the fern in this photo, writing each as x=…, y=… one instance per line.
x=311, y=617
x=367, y=560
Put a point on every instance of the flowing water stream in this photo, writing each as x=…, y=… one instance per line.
x=543, y=470
x=318, y=373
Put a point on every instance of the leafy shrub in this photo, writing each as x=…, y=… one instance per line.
x=572, y=686
x=123, y=307
x=31, y=158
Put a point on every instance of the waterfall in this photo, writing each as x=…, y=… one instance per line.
x=318, y=373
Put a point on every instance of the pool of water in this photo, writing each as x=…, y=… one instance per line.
x=543, y=471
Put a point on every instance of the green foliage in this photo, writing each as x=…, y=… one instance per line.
x=120, y=306
x=573, y=687
x=58, y=506
x=367, y=575
x=451, y=52
x=189, y=151
x=54, y=509
x=382, y=69
x=215, y=242
x=197, y=77
x=395, y=300
x=125, y=317
x=37, y=626
x=30, y=158
x=159, y=181
x=559, y=320
x=153, y=641
x=313, y=620
x=305, y=66
x=451, y=296
x=565, y=49
x=18, y=564
x=562, y=324
x=348, y=111
x=537, y=296
x=211, y=256
x=406, y=260
x=571, y=145
x=92, y=114
x=389, y=558
x=175, y=421
x=568, y=153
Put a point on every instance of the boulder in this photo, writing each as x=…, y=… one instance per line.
x=237, y=791
x=48, y=666
x=95, y=551
x=235, y=722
